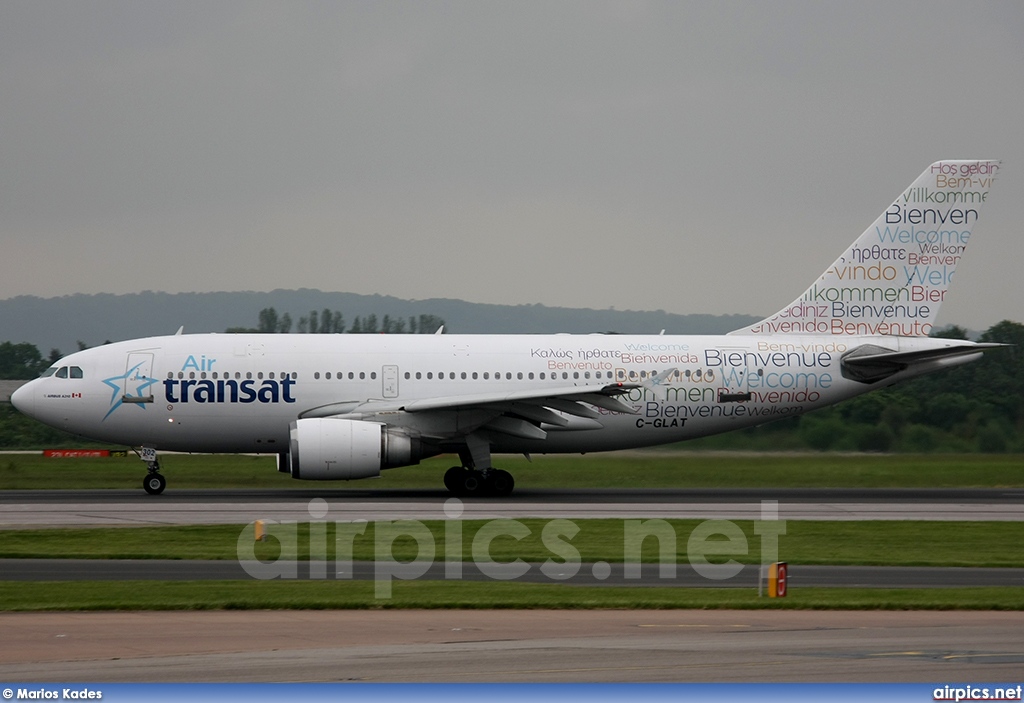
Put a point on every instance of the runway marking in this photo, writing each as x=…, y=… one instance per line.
x=155, y=512
x=579, y=670
x=693, y=625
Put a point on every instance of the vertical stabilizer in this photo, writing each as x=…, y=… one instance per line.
x=892, y=280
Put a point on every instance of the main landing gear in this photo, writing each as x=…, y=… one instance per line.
x=154, y=483
x=461, y=481
x=476, y=476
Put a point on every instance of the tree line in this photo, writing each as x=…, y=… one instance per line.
x=329, y=321
x=24, y=361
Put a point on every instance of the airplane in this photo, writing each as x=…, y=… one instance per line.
x=346, y=407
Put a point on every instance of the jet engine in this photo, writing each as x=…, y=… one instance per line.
x=324, y=449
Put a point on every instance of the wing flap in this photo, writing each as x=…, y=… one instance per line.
x=606, y=402
x=515, y=427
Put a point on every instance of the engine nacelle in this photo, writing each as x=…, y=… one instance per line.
x=324, y=449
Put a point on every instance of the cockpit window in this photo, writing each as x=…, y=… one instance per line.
x=64, y=372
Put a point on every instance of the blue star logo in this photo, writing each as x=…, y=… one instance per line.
x=122, y=384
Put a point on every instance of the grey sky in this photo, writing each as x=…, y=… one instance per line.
x=693, y=157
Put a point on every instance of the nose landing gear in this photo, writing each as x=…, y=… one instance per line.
x=154, y=483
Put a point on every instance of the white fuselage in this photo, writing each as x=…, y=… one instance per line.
x=239, y=393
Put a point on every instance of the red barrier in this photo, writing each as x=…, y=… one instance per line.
x=76, y=453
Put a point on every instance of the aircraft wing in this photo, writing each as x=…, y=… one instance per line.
x=603, y=396
x=516, y=413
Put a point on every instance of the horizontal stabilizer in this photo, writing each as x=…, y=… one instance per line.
x=870, y=363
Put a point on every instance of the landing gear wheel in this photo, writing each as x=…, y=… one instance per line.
x=453, y=479
x=500, y=483
x=461, y=481
x=471, y=483
x=154, y=484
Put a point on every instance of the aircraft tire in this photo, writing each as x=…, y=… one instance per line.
x=471, y=483
x=500, y=483
x=154, y=484
x=453, y=479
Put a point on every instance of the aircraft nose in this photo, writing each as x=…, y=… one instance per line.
x=23, y=398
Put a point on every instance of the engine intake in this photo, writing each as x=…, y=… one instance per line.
x=323, y=449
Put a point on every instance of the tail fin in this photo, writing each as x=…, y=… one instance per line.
x=892, y=280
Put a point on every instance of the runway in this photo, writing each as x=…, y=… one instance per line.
x=528, y=646
x=22, y=509
x=532, y=645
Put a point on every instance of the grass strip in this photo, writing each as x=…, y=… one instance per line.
x=880, y=543
x=649, y=469
x=320, y=595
